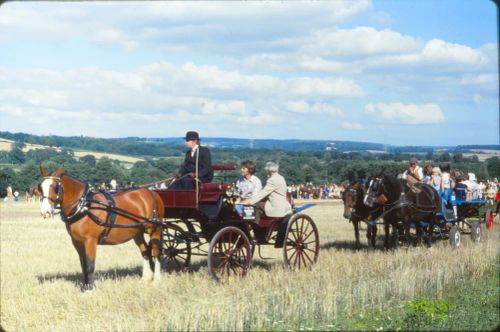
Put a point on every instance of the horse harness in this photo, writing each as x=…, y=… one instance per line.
x=83, y=208
x=403, y=202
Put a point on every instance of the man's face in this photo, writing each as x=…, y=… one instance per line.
x=191, y=143
x=413, y=165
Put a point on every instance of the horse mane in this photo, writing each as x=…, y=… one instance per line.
x=393, y=186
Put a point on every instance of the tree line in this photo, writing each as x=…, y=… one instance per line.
x=21, y=169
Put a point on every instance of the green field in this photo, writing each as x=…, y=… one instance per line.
x=408, y=289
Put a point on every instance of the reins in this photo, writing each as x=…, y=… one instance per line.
x=402, y=202
x=84, y=208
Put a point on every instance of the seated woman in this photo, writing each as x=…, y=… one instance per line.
x=428, y=174
x=248, y=184
x=447, y=182
x=435, y=180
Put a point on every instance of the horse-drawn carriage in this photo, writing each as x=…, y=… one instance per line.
x=209, y=215
x=390, y=202
x=180, y=224
x=460, y=215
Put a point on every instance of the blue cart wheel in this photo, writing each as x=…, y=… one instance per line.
x=455, y=236
x=475, y=232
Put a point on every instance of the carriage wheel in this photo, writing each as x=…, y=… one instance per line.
x=229, y=254
x=301, y=244
x=175, y=248
x=488, y=218
x=475, y=232
x=455, y=236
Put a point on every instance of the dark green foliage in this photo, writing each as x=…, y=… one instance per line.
x=16, y=156
x=163, y=158
x=7, y=176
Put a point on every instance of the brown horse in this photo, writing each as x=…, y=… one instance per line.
x=88, y=216
x=356, y=211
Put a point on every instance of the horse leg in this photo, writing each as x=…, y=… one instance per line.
x=430, y=231
x=80, y=249
x=419, y=231
x=355, y=223
x=386, y=235
x=147, y=272
x=90, y=254
x=371, y=234
x=156, y=252
x=407, y=225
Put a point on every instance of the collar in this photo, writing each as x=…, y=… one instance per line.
x=252, y=178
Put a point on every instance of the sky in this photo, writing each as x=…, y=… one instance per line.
x=394, y=72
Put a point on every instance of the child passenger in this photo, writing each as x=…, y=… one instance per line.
x=436, y=180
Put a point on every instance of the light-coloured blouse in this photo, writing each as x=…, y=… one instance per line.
x=248, y=187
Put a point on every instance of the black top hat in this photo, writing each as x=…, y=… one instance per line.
x=192, y=135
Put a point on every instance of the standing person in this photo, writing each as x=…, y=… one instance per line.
x=271, y=200
x=248, y=184
x=197, y=165
x=9, y=196
x=16, y=196
x=113, y=183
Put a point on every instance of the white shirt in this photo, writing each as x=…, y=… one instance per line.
x=417, y=171
x=193, y=150
x=248, y=187
x=446, y=180
x=112, y=183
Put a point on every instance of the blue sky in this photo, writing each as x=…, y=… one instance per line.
x=396, y=72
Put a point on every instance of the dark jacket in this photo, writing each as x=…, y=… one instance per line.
x=205, y=172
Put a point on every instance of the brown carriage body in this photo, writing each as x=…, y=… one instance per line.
x=208, y=215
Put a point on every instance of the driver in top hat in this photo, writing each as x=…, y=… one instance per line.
x=197, y=155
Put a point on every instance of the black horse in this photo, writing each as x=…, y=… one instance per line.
x=355, y=210
x=415, y=204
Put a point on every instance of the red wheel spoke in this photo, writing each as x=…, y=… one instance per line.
x=312, y=232
x=307, y=256
x=301, y=226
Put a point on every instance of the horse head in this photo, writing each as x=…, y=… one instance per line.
x=51, y=190
x=349, y=196
x=376, y=192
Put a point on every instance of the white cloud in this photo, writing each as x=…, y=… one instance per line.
x=324, y=87
x=480, y=79
x=407, y=113
x=439, y=51
x=303, y=107
x=352, y=125
x=358, y=41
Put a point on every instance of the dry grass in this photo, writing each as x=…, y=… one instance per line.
x=40, y=271
x=99, y=155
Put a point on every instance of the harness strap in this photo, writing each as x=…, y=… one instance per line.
x=110, y=217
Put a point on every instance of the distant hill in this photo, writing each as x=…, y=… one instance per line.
x=139, y=146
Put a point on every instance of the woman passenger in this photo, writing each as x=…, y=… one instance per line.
x=436, y=180
x=248, y=184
